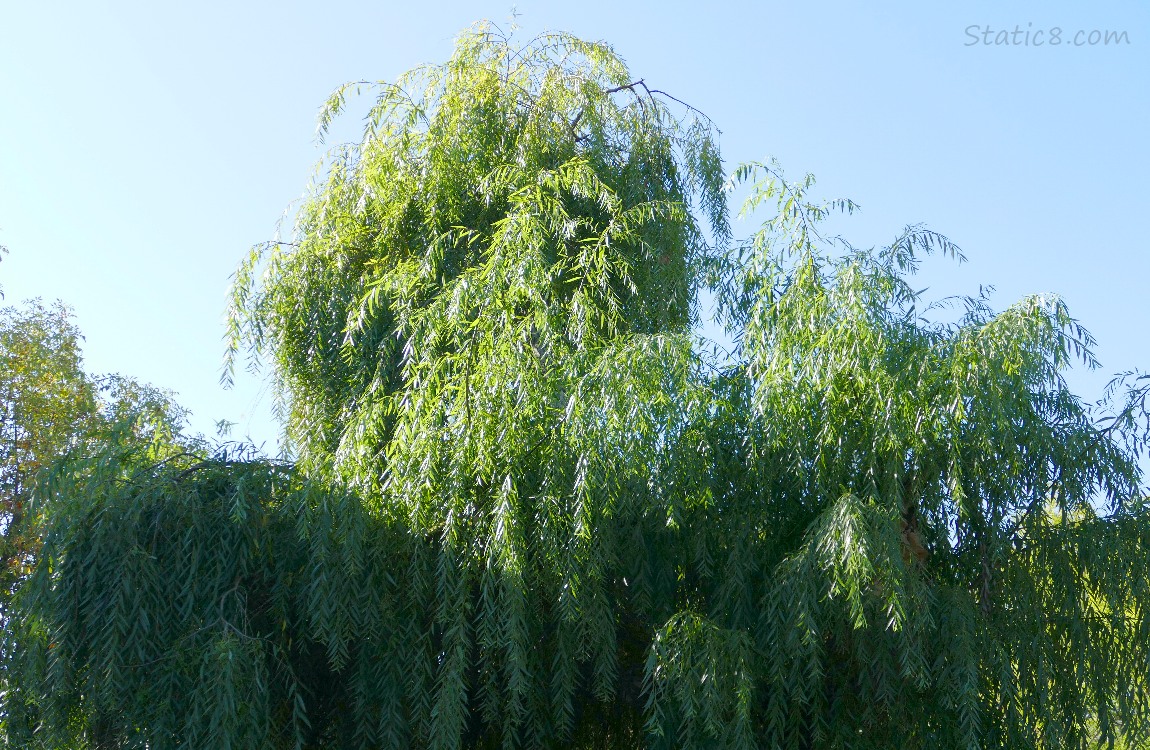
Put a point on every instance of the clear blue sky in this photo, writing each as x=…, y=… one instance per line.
x=145, y=146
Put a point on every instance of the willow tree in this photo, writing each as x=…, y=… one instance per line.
x=530, y=509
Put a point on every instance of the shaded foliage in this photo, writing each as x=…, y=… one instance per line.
x=529, y=510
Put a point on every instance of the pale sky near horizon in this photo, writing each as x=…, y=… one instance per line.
x=144, y=147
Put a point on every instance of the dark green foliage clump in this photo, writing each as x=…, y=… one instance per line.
x=529, y=510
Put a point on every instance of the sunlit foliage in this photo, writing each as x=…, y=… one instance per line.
x=530, y=509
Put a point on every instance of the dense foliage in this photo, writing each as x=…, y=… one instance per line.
x=530, y=509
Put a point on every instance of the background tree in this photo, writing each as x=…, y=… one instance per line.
x=530, y=510
x=47, y=404
x=49, y=407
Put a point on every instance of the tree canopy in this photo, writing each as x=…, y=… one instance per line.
x=529, y=508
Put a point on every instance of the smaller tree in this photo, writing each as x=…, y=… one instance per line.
x=54, y=419
x=47, y=403
x=50, y=407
